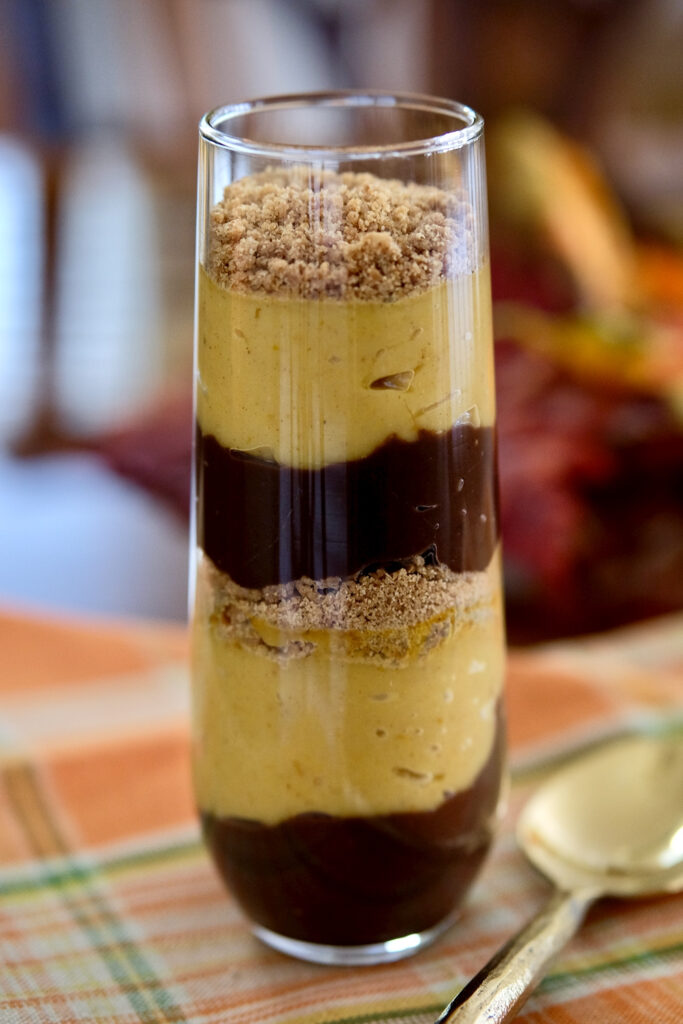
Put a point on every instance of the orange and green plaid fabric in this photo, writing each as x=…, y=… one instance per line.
x=110, y=910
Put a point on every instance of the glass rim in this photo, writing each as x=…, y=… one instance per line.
x=212, y=125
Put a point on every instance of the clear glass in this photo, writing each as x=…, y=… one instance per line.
x=348, y=641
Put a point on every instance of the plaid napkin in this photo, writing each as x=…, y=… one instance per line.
x=110, y=910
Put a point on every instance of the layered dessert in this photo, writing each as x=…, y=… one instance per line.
x=347, y=628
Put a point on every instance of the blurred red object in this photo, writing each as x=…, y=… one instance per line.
x=591, y=500
x=155, y=451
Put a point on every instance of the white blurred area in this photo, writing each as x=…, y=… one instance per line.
x=21, y=285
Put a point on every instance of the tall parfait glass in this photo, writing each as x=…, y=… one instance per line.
x=347, y=631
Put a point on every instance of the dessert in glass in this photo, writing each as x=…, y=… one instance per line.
x=347, y=628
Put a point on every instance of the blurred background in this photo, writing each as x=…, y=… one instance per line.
x=99, y=102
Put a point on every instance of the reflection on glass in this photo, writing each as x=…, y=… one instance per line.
x=347, y=627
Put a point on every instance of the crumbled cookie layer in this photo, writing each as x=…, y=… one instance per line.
x=386, y=617
x=337, y=236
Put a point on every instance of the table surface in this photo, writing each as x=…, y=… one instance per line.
x=110, y=910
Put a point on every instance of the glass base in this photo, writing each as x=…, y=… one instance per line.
x=354, y=956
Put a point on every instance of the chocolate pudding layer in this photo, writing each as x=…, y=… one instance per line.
x=263, y=523
x=356, y=880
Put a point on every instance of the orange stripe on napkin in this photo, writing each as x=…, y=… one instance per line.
x=543, y=701
x=659, y=1001
x=129, y=787
x=39, y=653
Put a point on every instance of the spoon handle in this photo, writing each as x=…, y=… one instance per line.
x=500, y=988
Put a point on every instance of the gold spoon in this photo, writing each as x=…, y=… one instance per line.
x=608, y=824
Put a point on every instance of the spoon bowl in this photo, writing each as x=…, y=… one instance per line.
x=611, y=819
x=609, y=823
